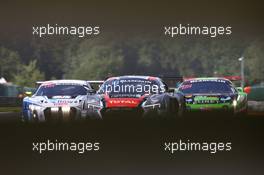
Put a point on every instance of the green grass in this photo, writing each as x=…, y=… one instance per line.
x=10, y=109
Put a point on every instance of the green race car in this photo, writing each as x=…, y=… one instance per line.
x=213, y=94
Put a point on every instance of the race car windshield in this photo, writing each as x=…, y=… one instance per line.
x=205, y=87
x=61, y=90
x=131, y=87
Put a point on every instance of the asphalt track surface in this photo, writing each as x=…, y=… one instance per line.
x=16, y=116
x=134, y=146
x=10, y=116
x=255, y=109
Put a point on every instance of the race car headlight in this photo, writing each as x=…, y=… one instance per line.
x=152, y=106
x=188, y=100
x=154, y=100
x=240, y=98
x=33, y=107
x=225, y=99
x=54, y=109
x=235, y=103
x=66, y=109
x=94, y=103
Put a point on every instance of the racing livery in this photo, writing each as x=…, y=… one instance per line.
x=213, y=94
x=56, y=100
x=144, y=95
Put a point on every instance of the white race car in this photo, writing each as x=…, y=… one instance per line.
x=56, y=100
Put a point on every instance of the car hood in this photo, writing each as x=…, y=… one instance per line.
x=56, y=101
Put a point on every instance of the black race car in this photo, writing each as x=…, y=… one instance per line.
x=142, y=95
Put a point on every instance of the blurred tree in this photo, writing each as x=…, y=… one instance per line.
x=9, y=63
x=95, y=59
x=254, y=61
x=50, y=54
x=28, y=75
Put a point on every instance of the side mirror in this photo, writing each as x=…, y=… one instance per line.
x=171, y=90
x=91, y=91
x=247, y=89
x=240, y=89
x=176, y=90
x=28, y=94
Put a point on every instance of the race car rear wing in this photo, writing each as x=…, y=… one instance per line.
x=172, y=81
x=234, y=79
x=39, y=82
x=231, y=78
x=95, y=83
x=175, y=81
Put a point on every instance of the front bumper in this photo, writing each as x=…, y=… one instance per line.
x=96, y=112
x=62, y=113
x=225, y=108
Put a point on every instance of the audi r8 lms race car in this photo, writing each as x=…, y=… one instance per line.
x=142, y=95
x=56, y=100
x=213, y=94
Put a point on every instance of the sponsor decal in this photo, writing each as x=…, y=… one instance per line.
x=124, y=102
x=61, y=97
x=48, y=85
x=208, y=80
x=198, y=98
x=186, y=86
x=206, y=99
x=62, y=102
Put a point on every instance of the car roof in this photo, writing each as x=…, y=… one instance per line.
x=135, y=76
x=208, y=79
x=80, y=82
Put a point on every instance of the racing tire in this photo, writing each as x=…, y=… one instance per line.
x=170, y=107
